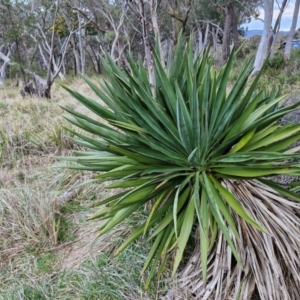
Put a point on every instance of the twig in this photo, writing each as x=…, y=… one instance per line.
x=73, y=191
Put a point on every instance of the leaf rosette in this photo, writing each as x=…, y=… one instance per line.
x=192, y=147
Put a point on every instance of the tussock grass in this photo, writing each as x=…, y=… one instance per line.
x=49, y=251
x=28, y=220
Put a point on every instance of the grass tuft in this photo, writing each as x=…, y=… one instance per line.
x=47, y=247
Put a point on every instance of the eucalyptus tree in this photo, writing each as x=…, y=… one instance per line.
x=74, y=38
x=220, y=19
x=14, y=42
x=36, y=40
x=288, y=45
x=234, y=13
x=263, y=48
x=276, y=27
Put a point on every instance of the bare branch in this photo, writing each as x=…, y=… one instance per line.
x=52, y=43
x=87, y=18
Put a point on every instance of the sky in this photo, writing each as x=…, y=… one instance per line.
x=286, y=20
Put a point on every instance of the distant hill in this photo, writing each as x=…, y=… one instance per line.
x=250, y=33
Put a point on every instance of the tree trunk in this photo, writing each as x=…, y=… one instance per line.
x=56, y=68
x=174, y=13
x=122, y=58
x=154, y=6
x=235, y=33
x=166, y=46
x=3, y=69
x=116, y=51
x=147, y=47
x=214, y=33
x=276, y=28
x=75, y=66
x=200, y=40
x=81, y=45
x=228, y=11
x=49, y=80
x=3, y=73
x=76, y=56
x=205, y=42
x=288, y=45
x=262, y=51
x=96, y=58
x=16, y=40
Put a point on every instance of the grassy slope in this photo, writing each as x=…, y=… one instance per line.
x=48, y=250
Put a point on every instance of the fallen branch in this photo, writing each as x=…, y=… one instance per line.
x=73, y=191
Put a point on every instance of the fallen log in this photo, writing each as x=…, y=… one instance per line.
x=73, y=191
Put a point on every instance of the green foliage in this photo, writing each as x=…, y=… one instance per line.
x=284, y=73
x=45, y=263
x=109, y=36
x=100, y=277
x=61, y=28
x=277, y=62
x=297, y=34
x=293, y=79
x=64, y=230
x=295, y=57
x=173, y=146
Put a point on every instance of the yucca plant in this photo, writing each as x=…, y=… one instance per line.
x=200, y=154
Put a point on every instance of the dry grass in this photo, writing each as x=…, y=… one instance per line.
x=270, y=261
x=30, y=136
x=48, y=251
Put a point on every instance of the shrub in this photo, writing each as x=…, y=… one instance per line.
x=277, y=62
x=200, y=158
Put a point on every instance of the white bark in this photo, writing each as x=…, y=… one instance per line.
x=262, y=51
x=51, y=48
x=215, y=32
x=76, y=55
x=46, y=47
x=117, y=30
x=145, y=31
x=206, y=35
x=6, y=60
x=277, y=25
x=81, y=44
x=214, y=38
x=166, y=46
x=202, y=40
x=288, y=45
x=4, y=57
x=43, y=56
x=153, y=8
